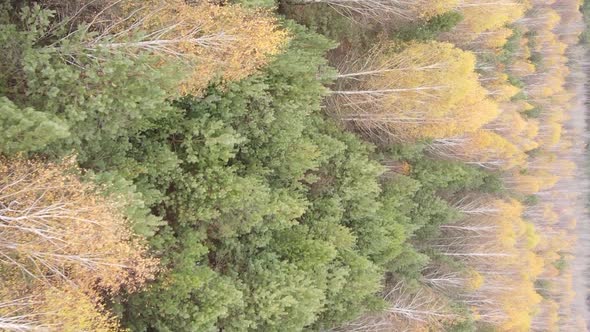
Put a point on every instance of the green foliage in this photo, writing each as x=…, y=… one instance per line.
x=279, y=197
x=92, y=104
x=280, y=297
x=26, y=129
x=405, y=151
x=543, y=287
x=190, y=297
x=137, y=203
x=533, y=113
x=519, y=96
x=465, y=326
x=409, y=263
x=452, y=176
x=430, y=29
x=257, y=3
x=531, y=36
x=537, y=59
x=531, y=200
x=512, y=46
x=265, y=214
x=323, y=19
x=384, y=241
x=561, y=264
x=516, y=81
x=585, y=36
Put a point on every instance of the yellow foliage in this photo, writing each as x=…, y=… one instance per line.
x=60, y=233
x=433, y=8
x=518, y=130
x=532, y=129
x=476, y=280
x=523, y=68
x=60, y=307
x=451, y=79
x=90, y=239
x=428, y=90
x=74, y=311
x=506, y=235
x=466, y=118
x=521, y=302
x=500, y=88
x=498, y=39
x=481, y=17
x=486, y=147
x=551, y=18
x=233, y=41
x=532, y=182
x=572, y=224
x=552, y=134
x=531, y=236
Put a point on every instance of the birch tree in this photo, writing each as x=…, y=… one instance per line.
x=55, y=227
x=428, y=90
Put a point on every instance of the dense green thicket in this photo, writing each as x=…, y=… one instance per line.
x=266, y=215
x=58, y=98
x=430, y=29
x=323, y=19
x=245, y=206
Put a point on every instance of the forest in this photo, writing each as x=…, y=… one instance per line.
x=294, y=165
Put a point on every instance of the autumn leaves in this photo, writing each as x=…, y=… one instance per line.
x=202, y=41
x=62, y=245
x=426, y=91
